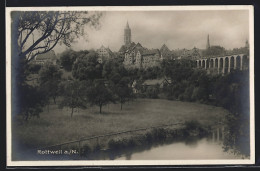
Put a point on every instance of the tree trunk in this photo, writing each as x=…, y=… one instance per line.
x=71, y=112
x=100, y=107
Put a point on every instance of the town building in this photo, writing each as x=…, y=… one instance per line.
x=140, y=57
x=166, y=53
x=137, y=56
x=191, y=54
x=104, y=54
x=48, y=57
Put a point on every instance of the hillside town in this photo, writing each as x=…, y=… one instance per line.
x=135, y=55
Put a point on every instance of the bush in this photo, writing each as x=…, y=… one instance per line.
x=152, y=92
x=194, y=128
x=188, y=93
x=34, y=68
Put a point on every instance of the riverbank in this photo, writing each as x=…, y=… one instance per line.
x=127, y=145
x=56, y=126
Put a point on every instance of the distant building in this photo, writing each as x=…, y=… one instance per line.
x=140, y=57
x=155, y=82
x=124, y=48
x=166, y=53
x=48, y=57
x=137, y=56
x=192, y=54
x=104, y=54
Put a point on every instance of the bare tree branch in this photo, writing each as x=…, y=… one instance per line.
x=46, y=29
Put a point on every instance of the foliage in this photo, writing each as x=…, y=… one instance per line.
x=74, y=95
x=232, y=92
x=152, y=91
x=177, y=70
x=87, y=67
x=67, y=59
x=99, y=93
x=123, y=90
x=242, y=50
x=194, y=128
x=39, y=31
x=34, y=68
x=187, y=83
x=33, y=101
x=50, y=78
x=119, y=81
x=145, y=74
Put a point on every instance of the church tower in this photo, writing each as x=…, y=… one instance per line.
x=127, y=36
x=247, y=44
x=208, y=45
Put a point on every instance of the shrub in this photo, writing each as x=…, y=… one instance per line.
x=152, y=92
x=194, y=128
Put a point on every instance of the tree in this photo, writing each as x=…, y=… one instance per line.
x=50, y=78
x=67, y=59
x=38, y=32
x=74, y=95
x=118, y=80
x=87, y=67
x=152, y=91
x=33, y=101
x=99, y=93
x=34, y=68
x=123, y=91
x=232, y=92
x=177, y=70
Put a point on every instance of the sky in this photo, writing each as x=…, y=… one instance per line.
x=176, y=29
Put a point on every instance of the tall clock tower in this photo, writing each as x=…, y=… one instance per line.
x=127, y=36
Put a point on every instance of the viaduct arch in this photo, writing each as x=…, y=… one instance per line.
x=224, y=64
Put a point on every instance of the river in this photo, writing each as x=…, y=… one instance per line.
x=190, y=149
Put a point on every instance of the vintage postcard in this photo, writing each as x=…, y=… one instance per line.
x=140, y=85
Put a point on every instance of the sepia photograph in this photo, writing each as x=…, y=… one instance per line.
x=143, y=85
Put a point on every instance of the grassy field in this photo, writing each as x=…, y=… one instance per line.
x=56, y=126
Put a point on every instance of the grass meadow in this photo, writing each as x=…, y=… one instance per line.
x=57, y=126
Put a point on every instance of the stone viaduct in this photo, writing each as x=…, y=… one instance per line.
x=224, y=64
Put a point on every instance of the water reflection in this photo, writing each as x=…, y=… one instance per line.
x=181, y=148
x=191, y=148
x=191, y=141
x=204, y=149
x=218, y=134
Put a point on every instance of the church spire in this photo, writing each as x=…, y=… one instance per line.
x=208, y=44
x=127, y=25
x=247, y=44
